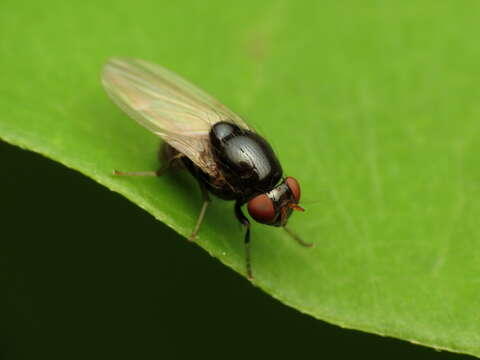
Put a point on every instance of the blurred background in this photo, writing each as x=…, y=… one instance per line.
x=86, y=274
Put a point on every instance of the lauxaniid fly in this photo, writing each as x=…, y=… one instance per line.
x=224, y=154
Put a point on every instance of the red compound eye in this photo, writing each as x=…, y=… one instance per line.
x=294, y=187
x=261, y=209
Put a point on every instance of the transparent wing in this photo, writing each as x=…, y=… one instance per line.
x=168, y=105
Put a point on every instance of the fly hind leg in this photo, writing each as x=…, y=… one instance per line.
x=169, y=158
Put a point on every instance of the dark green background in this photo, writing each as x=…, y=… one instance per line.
x=85, y=274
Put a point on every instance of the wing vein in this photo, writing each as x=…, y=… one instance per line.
x=168, y=105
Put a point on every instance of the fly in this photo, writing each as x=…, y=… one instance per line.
x=222, y=152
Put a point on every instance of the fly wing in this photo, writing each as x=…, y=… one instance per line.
x=168, y=105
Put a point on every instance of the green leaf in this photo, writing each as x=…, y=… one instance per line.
x=372, y=105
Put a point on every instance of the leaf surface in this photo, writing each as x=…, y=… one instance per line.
x=373, y=106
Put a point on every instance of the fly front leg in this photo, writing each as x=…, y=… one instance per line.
x=244, y=221
x=297, y=238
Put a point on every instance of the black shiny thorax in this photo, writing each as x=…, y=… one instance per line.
x=246, y=163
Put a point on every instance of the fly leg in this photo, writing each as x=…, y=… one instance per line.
x=169, y=158
x=297, y=238
x=136, y=173
x=244, y=221
x=206, y=201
